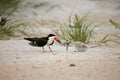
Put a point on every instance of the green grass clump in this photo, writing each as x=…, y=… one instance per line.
x=79, y=29
x=11, y=29
x=7, y=7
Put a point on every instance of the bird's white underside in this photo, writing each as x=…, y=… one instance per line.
x=51, y=39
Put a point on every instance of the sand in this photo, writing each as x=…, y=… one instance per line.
x=20, y=61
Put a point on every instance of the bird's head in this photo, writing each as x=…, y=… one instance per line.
x=56, y=39
x=53, y=37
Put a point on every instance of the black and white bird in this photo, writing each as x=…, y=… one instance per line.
x=41, y=42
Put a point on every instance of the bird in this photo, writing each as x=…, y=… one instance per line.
x=42, y=41
x=80, y=47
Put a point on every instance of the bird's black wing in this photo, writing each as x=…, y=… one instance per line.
x=37, y=41
x=41, y=41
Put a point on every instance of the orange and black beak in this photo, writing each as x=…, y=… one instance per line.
x=56, y=39
x=59, y=41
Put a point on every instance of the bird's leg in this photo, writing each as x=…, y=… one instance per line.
x=43, y=49
x=50, y=49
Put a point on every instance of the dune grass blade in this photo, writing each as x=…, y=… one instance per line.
x=103, y=41
x=115, y=24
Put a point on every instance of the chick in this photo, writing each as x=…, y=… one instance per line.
x=80, y=47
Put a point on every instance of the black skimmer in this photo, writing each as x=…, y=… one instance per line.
x=41, y=42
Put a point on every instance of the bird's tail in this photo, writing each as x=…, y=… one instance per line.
x=31, y=39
